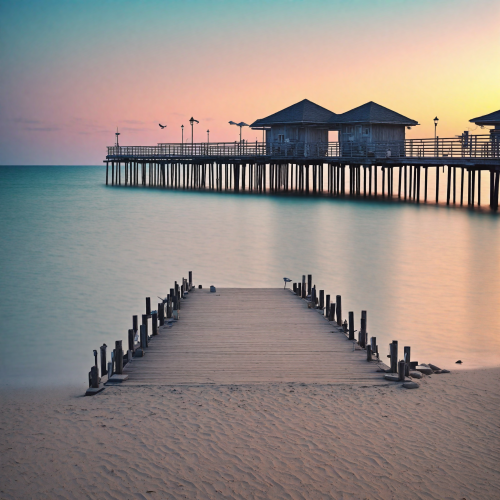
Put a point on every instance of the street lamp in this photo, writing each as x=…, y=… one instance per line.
x=435, y=136
x=191, y=121
x=241, y=124
x=208, y=136
x=182, y=129
x=117, y=134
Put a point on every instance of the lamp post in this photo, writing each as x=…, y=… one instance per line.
x=182, y=137
x=191, y=121
x=208, y=136
x=241, y=124
x=117, y=134
x=435, y=135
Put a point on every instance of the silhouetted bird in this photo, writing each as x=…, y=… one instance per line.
x=162, y=126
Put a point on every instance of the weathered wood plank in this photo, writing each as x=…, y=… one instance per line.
x=240, y=336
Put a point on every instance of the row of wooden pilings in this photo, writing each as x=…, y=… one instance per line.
x=412, y=180
x=138, y=337
x=333, y=312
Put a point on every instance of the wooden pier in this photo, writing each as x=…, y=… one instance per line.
x=396, y=171
x=250, y=335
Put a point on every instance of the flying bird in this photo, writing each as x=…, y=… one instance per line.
x=162, y=126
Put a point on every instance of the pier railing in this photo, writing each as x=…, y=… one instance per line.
x=470, y=146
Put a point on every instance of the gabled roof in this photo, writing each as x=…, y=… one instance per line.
x=491, y=119
x=371, y=112
x=302, y=113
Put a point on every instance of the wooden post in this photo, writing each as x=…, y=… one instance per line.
x=295, y=288
x=143, y=337
x=401, y=370
x=104, y=364
x=299, y=289
x=394, y=356
x=107, y=168
x=95, y=362
x=418, y=183
x=321, y=299
x=148, y=306
x=373, y=344
x=462, y=187
x=407, y=359
x=94, y=377
x=338, y=306
x=363, y=327
x=118, y=357
x=368, y=353
x=331, y=316
x=351, y=325
x=437, y=184
x=190, y=280
x=454, y=185
x=362, y=333
x=327, y=312
x=154, y=318
x=169, y=303
x=161, y=313
x=304, y=286
x=309, y=284
x=145, y=324
x=131, y=340
x=448, y=186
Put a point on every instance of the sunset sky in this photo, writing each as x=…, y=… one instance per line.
x=72, y=71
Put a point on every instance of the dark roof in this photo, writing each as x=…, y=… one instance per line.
x=304, y=112
x=491, y=119
x=372, y=112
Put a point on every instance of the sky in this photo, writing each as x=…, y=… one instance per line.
x=72, y=71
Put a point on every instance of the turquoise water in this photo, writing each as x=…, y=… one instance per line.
x=77, y=260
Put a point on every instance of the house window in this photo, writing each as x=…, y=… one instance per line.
x=366, y=130
x=281, y=137
x=349, y=130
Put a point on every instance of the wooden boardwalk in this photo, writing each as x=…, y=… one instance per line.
x=250, y=335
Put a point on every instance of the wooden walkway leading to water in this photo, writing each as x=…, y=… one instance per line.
x=239, y=335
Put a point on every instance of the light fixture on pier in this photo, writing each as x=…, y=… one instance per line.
x=182, y=134
x=191, y=121
x=208, y=136
x=435, y=126
x=241, y=124
x=117, y=134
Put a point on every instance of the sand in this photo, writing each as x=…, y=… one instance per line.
x=270, y=440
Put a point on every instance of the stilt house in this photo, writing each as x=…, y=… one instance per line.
x=492, y=119
x=371, y=124
x=303, y=122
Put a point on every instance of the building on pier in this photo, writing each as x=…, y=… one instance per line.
x=491, y=119
x=368, y=124
x=304, y=122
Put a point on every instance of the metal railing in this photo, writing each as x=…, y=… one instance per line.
x=471, y=146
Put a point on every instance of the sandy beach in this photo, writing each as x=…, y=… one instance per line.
x=274, y=440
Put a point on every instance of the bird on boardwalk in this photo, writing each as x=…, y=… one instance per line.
x=286, y=280
x=162, y=126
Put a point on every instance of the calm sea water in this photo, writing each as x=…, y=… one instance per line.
x=77, y=260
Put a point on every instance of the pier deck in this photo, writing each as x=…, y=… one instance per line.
x=238, y=336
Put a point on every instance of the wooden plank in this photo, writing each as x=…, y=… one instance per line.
x=238, y=336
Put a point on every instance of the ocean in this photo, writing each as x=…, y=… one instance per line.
x=78, y=258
